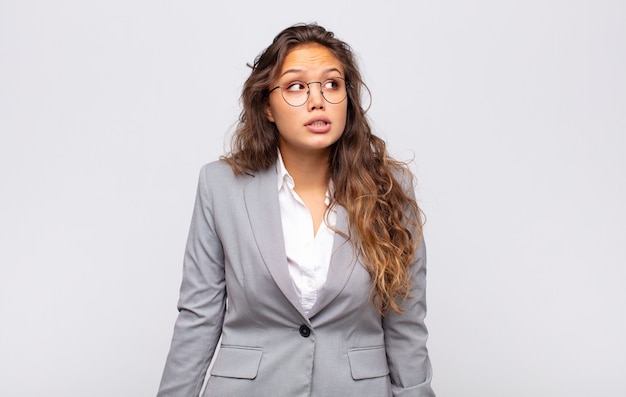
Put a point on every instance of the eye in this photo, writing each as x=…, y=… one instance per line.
x=332, y=84
x=296, y=86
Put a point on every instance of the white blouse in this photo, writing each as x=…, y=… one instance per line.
x=308, y=253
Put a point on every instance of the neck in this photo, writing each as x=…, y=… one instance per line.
x=309, y=171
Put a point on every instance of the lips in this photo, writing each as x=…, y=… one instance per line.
x=318, y=125
x=318, y=121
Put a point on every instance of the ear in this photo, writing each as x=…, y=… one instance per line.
x=268, y=113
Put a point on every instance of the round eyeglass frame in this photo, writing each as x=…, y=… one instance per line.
x=308, y=92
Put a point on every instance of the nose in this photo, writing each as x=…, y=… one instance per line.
x=316, y=99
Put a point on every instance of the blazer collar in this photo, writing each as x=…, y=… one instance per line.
x=261, y=198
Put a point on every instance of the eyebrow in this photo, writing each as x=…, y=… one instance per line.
x=300, y=71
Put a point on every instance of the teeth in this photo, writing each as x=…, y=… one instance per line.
x=318, y=123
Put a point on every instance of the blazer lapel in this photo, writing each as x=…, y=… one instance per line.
x=261, y=198
x=342, y=262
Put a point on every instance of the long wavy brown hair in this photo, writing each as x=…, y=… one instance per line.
x=386, y=222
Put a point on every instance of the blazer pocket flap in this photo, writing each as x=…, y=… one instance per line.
x=237, y=362
x=368, y=362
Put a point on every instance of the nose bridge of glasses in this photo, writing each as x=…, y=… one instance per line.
x=321, y=91
x=315, y=82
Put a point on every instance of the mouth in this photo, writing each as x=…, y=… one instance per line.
x=318, y=122
x=318, y=125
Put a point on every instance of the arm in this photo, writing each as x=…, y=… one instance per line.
x=201, y=304
x=405, y=338
x=406, y=333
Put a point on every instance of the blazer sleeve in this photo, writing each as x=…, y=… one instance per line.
x=201, y=304
x=406, y=334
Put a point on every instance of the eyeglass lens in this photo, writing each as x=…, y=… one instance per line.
x=296, y=93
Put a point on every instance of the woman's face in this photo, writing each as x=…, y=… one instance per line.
x=317, y=124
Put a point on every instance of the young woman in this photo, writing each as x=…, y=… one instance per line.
x=305, y=253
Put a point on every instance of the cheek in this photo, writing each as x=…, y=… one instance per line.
x=279, y=112
x=343, y=117
x=283, y=120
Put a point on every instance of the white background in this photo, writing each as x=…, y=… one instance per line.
x=515, y=113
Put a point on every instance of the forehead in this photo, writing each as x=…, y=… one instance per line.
x=310, y=57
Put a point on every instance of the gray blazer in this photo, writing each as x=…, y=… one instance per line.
x=269, y=348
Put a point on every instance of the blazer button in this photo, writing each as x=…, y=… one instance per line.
x=305, y=331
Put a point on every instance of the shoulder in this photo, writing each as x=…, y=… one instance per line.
x=217, y=168
x=222, y=168
x=219, y=171
x=216, y=176
x=219, y=175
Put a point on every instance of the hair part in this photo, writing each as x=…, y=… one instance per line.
x=386, y=222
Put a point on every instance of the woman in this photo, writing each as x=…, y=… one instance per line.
x=305, y=252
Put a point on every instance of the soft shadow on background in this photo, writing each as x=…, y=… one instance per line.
x=514, y=114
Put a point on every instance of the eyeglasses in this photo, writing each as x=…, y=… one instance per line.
x=296, y=93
